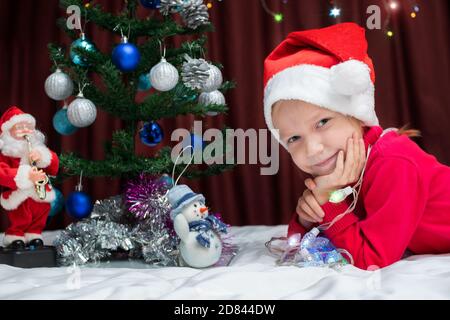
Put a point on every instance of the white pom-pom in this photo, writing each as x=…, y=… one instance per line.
x=1, y=144
x=350, y=77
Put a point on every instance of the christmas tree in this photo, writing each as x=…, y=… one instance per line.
x=182, y=82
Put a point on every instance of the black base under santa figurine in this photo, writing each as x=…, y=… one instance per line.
x=25, y=166
x=29, y=257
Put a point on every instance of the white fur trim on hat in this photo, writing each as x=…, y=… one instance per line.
x=1, y=143
x=16, y=119
x=313, y=84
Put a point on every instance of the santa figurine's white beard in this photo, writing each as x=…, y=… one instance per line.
x=19, y=148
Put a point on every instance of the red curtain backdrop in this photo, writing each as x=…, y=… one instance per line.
x=412, y=86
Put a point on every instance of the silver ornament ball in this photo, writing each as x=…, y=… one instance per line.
x=81, y=112
x=214, y=97
x=58, y=85
x=164, y=76
x=214, y=80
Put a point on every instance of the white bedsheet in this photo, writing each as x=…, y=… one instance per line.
x=252, y=275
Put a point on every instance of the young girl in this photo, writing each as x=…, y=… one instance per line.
x=319, y=104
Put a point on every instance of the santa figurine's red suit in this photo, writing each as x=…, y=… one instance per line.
x=21, y=146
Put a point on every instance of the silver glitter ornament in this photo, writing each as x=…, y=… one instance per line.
x=194, y=72
x=58, y=85
x=170, y=6
x=164, y=76
x=214, y=80
x=214, y=97
x=81, y=112
x=194, y=13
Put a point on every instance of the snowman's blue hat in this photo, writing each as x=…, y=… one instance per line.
x=181, y=196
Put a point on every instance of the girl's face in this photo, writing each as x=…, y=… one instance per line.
x=313, y=135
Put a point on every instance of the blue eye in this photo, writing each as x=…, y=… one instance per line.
x=323, y=120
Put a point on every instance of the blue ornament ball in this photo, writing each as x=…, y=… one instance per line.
x=126, y=57
x=62, y=124
x=85, y=44
x=151, y=4
x=144, y=82
x=57, y=204
x=79, y=205
x=151, y=134
x=167, y=180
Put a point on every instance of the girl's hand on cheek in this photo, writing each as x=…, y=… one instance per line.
x=346, y=172
x=309, y=210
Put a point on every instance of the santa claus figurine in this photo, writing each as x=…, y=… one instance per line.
x=25, y=164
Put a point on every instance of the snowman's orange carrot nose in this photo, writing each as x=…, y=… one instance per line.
x=203, y=209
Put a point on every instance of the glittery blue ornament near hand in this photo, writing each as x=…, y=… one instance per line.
x=126, y=56
x=167, y=180
x=318, y=251
x=144, y=82
x=79, y=205
x=151, y=134
x=62, y=124
x=85, y=44
x=151, y=4
x=310, y=251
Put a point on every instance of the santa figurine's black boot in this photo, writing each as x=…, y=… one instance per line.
x=17, y=245
x=36, y=243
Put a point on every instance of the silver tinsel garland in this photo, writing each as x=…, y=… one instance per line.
x=194, y=72
x=91, y=240
x=112, y=232
x=138, y=227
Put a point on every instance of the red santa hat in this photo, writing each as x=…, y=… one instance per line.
x=328, y=67
x=11, y=117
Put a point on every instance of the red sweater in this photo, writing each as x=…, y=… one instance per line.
x=404, y=203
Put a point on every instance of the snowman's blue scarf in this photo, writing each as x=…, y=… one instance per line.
x=204, y=225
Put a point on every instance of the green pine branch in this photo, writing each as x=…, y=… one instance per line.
x=117, y=92
x=117, y=167
x=158, y=28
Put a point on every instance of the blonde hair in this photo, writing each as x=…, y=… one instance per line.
x=404, y=130
x=409, y=132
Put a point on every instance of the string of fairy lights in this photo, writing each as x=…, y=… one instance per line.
x=335, y=11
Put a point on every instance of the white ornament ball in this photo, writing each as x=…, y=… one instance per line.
x=81, y=112
x=214, y=80
x=214, y=97
x=164, y=76
x=58, y=85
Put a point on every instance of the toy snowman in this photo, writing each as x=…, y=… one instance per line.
x=199, y=232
